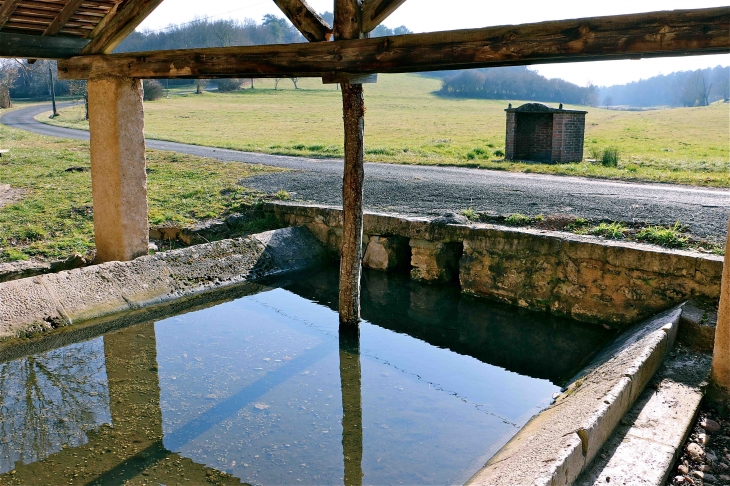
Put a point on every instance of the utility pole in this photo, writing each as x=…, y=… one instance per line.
x=53, y=91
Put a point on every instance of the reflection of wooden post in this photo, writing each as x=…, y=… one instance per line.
x=351, y=382
x=721, y=356
x=347, y=26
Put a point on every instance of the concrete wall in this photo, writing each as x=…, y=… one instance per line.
x=38, y=304
x=581, y=277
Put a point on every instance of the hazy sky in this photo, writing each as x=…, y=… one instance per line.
x=433, y=15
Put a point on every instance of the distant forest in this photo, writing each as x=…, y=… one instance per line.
x=682, y=88
x=514, y=83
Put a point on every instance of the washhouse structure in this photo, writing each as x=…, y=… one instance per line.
x=543, y=134
x=82, y=34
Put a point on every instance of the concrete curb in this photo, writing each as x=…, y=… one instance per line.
x=649, y=439
x=556, y=445
x=43, y=303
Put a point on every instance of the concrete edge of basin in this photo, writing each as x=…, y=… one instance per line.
x=559, y=443
x=649, y=438
x=43, y=303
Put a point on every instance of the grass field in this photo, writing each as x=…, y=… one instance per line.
x=407, y=123
x=54, y=217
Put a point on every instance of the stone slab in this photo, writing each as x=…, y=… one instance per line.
x=43, y=303
x=697, y=326
x=648, y=440
x=559, y=443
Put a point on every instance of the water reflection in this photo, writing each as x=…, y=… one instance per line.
x=351, y=382
x=51, y=400
x=267, y=389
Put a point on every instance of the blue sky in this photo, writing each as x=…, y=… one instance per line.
x=433, y=15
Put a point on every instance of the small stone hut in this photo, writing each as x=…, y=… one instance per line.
x=544, y=134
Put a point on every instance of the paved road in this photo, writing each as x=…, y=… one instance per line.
x=434, y=190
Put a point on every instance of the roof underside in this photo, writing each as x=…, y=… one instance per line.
x=61, y=18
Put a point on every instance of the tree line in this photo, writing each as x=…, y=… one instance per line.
x=515, y=83
x=681, y=88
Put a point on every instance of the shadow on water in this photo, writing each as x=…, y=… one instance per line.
x=259, y=385
x=529, y=343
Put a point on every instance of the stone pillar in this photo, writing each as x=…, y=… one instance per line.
x=721, y=356
x=118, y=168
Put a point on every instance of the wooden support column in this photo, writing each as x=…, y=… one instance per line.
x=347, y=26
x=721, y=355
x=118, y=168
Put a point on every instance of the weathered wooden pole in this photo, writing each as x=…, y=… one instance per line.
x=721, y=356
x=347, y=26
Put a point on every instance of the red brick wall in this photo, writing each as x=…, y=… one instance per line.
x=568, y=133
x=545, y=137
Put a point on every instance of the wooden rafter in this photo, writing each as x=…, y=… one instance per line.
x=120, y=25
x=305, y=19
x=347, y=19
x=374, y=12
x=656, y=34
x=63, y=17
x=6, y=10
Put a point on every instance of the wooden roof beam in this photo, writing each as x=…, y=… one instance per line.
x=305, y=19
x=374, y=12
x=6, y=10
x=63, y=17
x=120, y=25
x=39, y=47
x=656, y=34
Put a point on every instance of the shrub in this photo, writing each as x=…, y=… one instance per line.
x=470, y=214
x=229, y=84
x=283, y=195
x=517, y=219
x=609, y=157
x=614, y=231
x=153, y=90
x=499, y=153
x=670, y=237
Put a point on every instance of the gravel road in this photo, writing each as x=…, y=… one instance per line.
x=430, y=190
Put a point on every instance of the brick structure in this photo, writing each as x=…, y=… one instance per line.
x=543, y=134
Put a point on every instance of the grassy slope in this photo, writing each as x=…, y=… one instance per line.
x=54, y=218
x=407, y=123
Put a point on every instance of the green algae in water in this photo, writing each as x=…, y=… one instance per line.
x=265, y=390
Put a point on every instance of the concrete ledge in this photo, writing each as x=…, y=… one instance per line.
x=38, y=304
x=585, y=278
x=558, y=444
x=649, y=438
x=697, y=326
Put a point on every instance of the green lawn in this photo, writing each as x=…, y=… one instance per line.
x=407, y=123
x=54, y=218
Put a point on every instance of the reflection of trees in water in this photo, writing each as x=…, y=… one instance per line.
x=50, y=400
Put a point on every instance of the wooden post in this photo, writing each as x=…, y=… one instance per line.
x=347, y=26
x=118, y=169
x=721, y=355
x=351, y=383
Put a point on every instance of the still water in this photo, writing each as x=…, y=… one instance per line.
x=264, y=390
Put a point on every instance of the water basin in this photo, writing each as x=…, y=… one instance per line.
x=263, y=389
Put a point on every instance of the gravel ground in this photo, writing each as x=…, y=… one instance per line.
x=430, y=190
x=705, y=458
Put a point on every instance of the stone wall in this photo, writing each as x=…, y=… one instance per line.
x=581, y=277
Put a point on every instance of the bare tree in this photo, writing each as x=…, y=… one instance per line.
x=295, y=81
x=276, y=83
x=696, y=91
x=607, y=101
x=8, y=75
x=200, y=85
